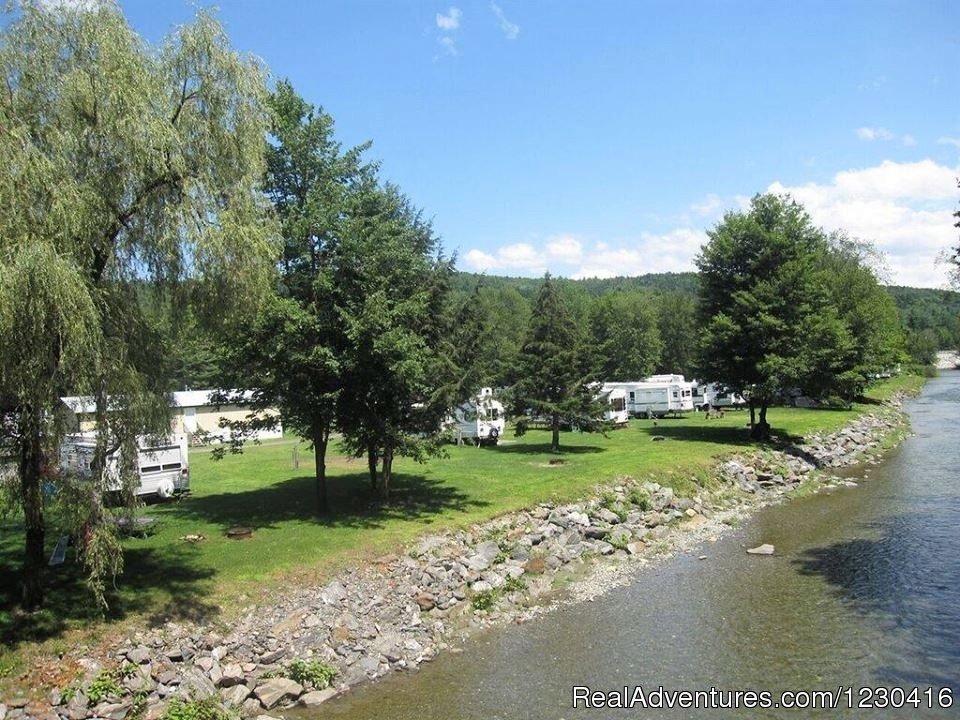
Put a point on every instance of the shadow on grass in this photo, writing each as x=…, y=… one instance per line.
x=351, y=499
x=718, y=434
x=906, y=581
x=544, y=449
x=69, y=604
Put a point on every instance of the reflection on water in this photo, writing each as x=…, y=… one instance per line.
x=864, y=590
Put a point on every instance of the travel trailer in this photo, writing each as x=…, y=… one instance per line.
x=616, y=411
x=163, y=467
x=655, y=399
x=709, y=395
x=479, y=420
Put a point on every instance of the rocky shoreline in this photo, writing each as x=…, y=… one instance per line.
x=402, y=611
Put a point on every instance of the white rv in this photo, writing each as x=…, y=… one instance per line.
x=163, y=467
x=708, y=395
x=479, y=420
x=616, y=410
x=655, y=399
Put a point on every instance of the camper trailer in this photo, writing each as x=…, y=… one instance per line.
x=616, y=411
x=479, y=420
x=710, y=395
x=163, y=467
x=655, y=399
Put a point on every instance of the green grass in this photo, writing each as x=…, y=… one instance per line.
x=169, y=578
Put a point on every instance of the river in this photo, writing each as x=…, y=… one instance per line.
x=863, y=591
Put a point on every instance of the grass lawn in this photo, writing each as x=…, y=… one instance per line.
x=169, y=578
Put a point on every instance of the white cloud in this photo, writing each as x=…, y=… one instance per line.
x=510, y=30
x=450, y=21
x=568, y=256
x=870, y=134
x=949, y=141
x=906, y=209
x=565, y=248
x=651, y=253
x=909, y=140
x=710, y=205
x=449, y=44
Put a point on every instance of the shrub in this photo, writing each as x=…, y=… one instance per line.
x=639, y=498
x=485, y=599
x=514, y=584
x=196, y=709
x=317, y=674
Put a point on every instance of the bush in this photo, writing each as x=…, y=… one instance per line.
x=317, y=674
x=639, y=498
x=485, y=599
x=205, y=709
x=514, y=584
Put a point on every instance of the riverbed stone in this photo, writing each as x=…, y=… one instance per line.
x=235, y=695
x=195, y=683
x=765, y=549
x=272, y=691
x=317, y=697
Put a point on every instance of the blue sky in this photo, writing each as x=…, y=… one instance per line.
x=604, y=138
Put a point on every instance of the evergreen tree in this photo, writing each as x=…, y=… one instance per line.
x=557, y=372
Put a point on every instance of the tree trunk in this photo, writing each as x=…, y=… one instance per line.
x=555, y=440
x=753, y=416
x=761, y=431
x=321, y=436
x=372, y=461
x=30, y=463
x=98, y=464
x=386, y=473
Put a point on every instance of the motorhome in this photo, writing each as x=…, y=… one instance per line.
x=480, y=420
x=710, y=395
x=655, y=399
x=163, y=466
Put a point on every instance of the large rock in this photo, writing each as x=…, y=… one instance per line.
x=333, y=593
x=316, y=697
x=231, y=674
x=272, y=691
x=139, y=655
x=195, y=683
x=765, y=549
x=483, y=556
x=235, y=695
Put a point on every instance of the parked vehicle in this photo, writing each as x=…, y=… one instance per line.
x=710, y=395
x=163, y=467
x=616, y=411
x=480, y=420
x=655, y=399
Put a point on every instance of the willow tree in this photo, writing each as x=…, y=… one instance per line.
x=120, y=164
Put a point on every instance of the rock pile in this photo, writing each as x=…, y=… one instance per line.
x=401, y=611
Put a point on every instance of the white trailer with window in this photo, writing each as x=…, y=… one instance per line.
x=163, y=466
x=712, y=395
x=655, y=399
x=616, y=410
x=479, y=420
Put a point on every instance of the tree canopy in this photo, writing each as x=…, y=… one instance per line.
x=121, y=164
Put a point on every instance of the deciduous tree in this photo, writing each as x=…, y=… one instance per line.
x=765, y=312
x=120, y=163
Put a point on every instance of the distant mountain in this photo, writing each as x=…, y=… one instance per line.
x=663, y=282
x=920, y=308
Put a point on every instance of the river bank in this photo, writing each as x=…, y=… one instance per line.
x=403, y=610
